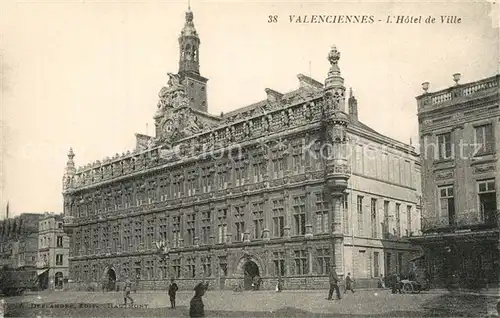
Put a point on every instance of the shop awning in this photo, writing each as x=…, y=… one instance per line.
x=41, y=271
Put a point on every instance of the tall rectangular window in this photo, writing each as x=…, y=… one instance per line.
x=191, y=228
x=176, y=230
x=345, y=213
x=206, y=263
x=297, y=165
x=323, y=259
x=278, y=167
x=484, y=139
x=398, y=220
x=192, y=182
x=149, y=269
x=376, y=266
x=162, y=266
x=258, y=220
x=150, y=232
x=239, y=172
x=408, y=220
x=59, y=259
x=385, y=225
x=239, y=223
x=279, y=263
x=176, y=267
x=487, y=201
x=444, y=146
x=374, y=224
x=206, y=224
x=299, y=215
x=259, y=168
x=163, y=229
x=447, y=203
x=301, y=258
x=207, y=179
x=359, y=206
x=221, y=177
x=222, y=226
x=191, y=267
x=59, y=241
x=321, y=209
x=278, y=218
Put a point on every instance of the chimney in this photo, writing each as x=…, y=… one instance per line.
x=353, y=105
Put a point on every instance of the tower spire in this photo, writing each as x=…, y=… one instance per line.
x=334, y=83
x=189, y=44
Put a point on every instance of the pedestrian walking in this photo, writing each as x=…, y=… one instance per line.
x=172, y=290
x=126, y=292
x=196, y=307
x=381, y=282
x=396, y=284
x=334, y=284
x=279, y=285
x=348, y=283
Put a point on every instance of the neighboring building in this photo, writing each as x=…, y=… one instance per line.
x=19, y=241
x=53, y=252
x=286, y=187
x=460, y=138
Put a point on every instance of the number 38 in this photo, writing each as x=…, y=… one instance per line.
x=273, y=19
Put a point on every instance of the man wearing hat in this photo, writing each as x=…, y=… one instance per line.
x=334, y=284
x=126, y=292
x=196, y=307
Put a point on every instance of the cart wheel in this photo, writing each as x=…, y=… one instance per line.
x=407, y=288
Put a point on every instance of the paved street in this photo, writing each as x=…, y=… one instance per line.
x=257, y=304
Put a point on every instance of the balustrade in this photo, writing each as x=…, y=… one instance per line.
x=254, y=127
x=459, y=91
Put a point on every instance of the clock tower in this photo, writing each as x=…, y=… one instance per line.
x=189, y=65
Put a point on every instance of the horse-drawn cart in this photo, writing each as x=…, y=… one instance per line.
x=412, y=287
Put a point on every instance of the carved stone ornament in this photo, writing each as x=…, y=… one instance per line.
x=444, y=175
x=484, y=169
x=173, y=94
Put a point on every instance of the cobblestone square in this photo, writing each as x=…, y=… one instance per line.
x=374, y=303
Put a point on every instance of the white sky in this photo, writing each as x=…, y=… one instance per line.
x=87, y=74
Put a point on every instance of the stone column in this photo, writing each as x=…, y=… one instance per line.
x=229, y=223
x=309, y=215
x=336, y=230
x=197, y=227
x=288, y=214
x=248, y=220
x=267, y=218
x=182, y=220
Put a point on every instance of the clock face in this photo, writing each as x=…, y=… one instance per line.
x=168, y=125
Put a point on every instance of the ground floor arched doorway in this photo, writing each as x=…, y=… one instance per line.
x=250, y=270
x=110, y=280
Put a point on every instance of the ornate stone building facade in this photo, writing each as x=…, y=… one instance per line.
x=460, y=137
x=288, y=186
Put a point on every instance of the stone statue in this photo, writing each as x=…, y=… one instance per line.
x=170, y=95
x=265, y=124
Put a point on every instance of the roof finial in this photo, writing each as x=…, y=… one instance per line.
x=189, y=5
x=350, y=92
